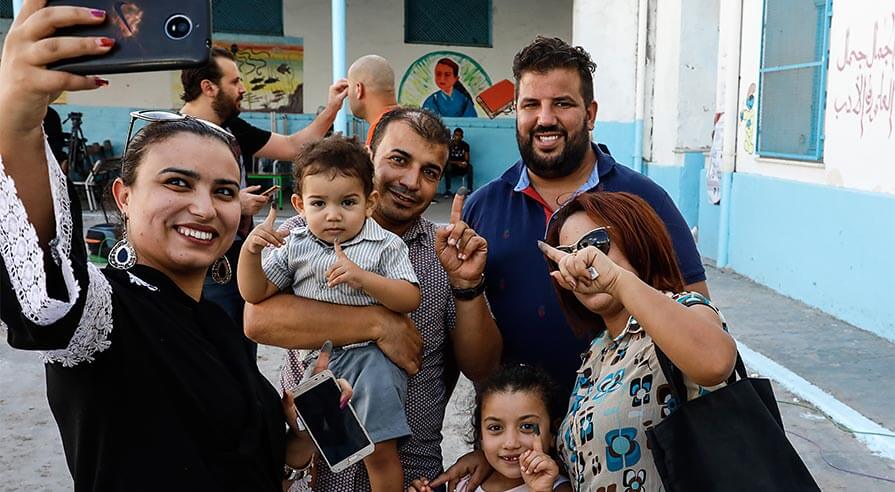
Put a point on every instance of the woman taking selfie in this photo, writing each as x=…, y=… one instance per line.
x=151, y=387
x=619, y=283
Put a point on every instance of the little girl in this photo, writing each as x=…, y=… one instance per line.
x=517, y=411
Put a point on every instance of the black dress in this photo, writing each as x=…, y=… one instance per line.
x=151, y=390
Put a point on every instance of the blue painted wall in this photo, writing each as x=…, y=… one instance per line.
x=619, y=137
x=492, y=146
x=709, y=217
x=823, y=245
x=682, y=183
x=110, y=123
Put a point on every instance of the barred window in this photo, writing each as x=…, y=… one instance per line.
x=5, y=9
x=792, y=87
x=263, y=17
x=454, y=23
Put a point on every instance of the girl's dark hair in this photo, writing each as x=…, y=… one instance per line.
x=158, y=132
x=513, y=378
x=635, y=228
x=458, y=86
x=334, y=155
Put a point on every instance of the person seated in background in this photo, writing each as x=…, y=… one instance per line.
x=458, y=162
x=342, y=256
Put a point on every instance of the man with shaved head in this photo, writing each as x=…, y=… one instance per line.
x=371, y=89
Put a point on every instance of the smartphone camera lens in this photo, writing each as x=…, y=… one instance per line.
x=178, y=27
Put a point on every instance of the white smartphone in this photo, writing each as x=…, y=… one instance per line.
x=338, y=433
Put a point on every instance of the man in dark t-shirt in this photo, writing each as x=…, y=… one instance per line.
x=458, y=162
x=213, y=92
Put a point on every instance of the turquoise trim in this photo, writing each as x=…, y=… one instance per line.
x=492, y=146
x=637, y=158
x=724, y=219
x=619, y=137
x=823, y=245
x=709, y=215
x=257, y=38
x=110, y=123
x=681, y=183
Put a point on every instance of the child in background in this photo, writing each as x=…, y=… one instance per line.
x=344, y=257
x=517, y=412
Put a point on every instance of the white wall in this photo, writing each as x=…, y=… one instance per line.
x=860, y=140
x=686, y=61
x=859, y=137
x=377, y=26
x=374, y=26
x=608, y=31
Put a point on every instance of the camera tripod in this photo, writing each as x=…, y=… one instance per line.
x=80, y=164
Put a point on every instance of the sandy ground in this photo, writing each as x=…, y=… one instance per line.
x=31, y=456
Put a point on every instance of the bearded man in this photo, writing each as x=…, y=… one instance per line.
x=555, y=114
x=213, y=92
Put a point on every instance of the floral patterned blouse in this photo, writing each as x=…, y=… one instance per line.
x=620, y=391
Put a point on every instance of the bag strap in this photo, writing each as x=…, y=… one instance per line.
x=674, y=375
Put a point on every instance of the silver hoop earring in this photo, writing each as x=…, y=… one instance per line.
x=221, y=271
x=123, y=256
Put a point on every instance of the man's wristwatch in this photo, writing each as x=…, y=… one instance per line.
x=293, y=474
x=470, y=293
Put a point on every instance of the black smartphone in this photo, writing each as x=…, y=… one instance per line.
x=339, y=435
x=149, y=35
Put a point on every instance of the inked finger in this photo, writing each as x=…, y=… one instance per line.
x=551, y=252
x=457, y=205
x=271, y=217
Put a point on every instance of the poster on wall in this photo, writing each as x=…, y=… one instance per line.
x=446, y=83
x=271, y=70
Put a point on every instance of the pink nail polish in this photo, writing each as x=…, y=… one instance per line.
x=98, y=13
x=343, y=404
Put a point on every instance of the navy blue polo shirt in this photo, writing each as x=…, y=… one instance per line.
x=510, y=214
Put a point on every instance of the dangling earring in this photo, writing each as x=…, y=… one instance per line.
x=123, y=256
x=221, y=271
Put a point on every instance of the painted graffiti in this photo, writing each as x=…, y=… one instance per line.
x=445, y=82
x=272, y=72
x=871, y=98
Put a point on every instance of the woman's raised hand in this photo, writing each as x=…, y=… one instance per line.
x=586, y=271
x=26, y=85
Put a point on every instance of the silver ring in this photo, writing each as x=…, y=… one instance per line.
x=593, y=273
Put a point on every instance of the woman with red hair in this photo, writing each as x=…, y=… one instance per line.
x=618, y=282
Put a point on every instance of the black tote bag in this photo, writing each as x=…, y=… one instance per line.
x=731, y=439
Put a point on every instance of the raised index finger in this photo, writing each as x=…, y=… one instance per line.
x=271, y=216
x=551, y=252
x=457, y=205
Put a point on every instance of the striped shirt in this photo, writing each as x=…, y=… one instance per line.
x=427, y=394
x=304, y=260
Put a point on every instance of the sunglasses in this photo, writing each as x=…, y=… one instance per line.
x=154, y=116
x=598, y=238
